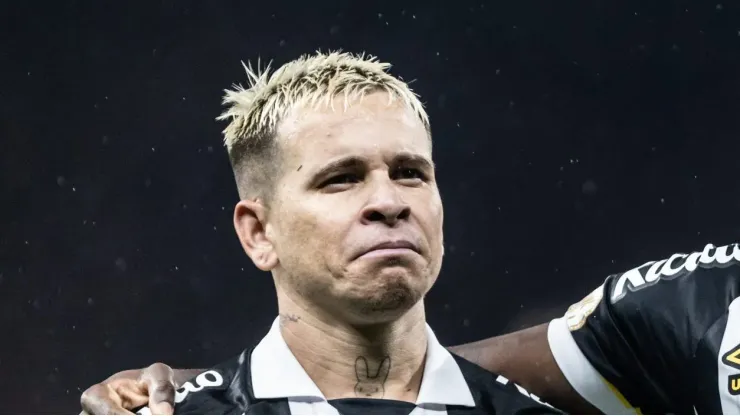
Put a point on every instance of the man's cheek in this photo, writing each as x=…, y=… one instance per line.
x=303, y=230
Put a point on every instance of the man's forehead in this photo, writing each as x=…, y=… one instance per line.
x=333, y=117
x=333, y=147
x=320, y=135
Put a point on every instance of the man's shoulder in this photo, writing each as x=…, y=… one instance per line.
x=673, y=301
x=697, y=286
x=497, y=394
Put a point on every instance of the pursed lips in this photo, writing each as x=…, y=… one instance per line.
x=391, y=247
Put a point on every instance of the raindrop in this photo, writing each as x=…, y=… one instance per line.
x=121, y=264
x=589, y=187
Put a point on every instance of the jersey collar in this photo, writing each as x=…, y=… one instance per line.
x=276, y=373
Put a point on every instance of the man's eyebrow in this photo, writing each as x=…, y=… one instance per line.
x=339, y=164
x=354, y=161
x=415, y=159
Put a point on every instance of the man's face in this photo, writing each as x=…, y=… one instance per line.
x=356, y=221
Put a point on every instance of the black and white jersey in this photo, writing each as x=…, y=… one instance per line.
x=268, y=379
x=661, y=338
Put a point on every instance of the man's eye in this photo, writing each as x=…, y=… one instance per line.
x=346, y=178
x=410, y=173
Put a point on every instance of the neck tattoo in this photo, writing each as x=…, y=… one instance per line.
x=288, y=318
x=371, y=385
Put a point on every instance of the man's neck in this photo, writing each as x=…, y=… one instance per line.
x=345, y=361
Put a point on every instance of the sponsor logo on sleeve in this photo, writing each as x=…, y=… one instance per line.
x=677, y=265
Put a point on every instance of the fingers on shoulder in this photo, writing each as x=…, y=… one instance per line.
x=102, y=399
x=158, y=372
x=159, y=382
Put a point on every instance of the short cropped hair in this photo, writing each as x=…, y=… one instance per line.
x=255, y=112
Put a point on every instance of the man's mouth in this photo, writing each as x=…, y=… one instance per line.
x=391, y=248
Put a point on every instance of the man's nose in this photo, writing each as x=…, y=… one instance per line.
x=386, y=205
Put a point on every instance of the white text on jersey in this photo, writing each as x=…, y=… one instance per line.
x=669, y=268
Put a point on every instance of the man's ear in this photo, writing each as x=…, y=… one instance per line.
x=250, y=225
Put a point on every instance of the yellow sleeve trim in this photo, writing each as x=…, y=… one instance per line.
x=618, y=394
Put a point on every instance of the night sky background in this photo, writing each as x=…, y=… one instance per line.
x=574, y=139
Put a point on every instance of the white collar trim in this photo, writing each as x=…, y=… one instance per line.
x=276, y=373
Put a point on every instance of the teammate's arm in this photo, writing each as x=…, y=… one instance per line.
x=524, y=358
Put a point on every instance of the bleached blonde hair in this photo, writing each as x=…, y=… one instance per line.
x=254, y=112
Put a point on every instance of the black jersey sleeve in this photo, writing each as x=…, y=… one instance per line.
x=632, y=345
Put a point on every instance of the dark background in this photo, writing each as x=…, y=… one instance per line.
x=574, y=139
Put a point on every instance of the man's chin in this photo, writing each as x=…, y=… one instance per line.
x=381, y=293
x=385, y=304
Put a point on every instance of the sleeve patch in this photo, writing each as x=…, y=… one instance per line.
x=578, y=313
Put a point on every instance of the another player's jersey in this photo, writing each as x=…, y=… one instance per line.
x=227, y=390
x=661, y=338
